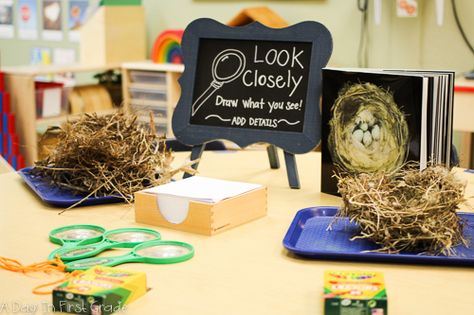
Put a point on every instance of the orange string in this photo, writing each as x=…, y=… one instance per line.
x=47, y=267
x=36, y=290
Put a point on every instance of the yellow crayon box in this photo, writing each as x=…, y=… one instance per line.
x=354, y=293
x=99, y=291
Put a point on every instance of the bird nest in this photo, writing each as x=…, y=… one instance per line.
x=407, y=209
x=110, y=155
x=368, y=130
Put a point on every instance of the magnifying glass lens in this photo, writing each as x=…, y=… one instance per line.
x=78, y=234
x=135, y=237
x=163, y=251
x=227, y=67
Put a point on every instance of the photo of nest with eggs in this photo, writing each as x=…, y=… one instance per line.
x=368, y=130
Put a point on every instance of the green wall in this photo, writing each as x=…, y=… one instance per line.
x=397, y=42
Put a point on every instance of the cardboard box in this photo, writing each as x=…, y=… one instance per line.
x=114, y=34
x=355, y=293
x=99, y=290
x=202, y=217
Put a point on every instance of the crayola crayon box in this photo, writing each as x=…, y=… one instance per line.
x=354, y=293
x=99, y=291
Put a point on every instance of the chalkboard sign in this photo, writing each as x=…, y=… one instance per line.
x=257, y=85
x=252, y=84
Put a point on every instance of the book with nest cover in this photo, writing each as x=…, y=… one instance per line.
x=376, y=120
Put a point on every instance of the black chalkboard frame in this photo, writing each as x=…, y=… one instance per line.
x=291, y=142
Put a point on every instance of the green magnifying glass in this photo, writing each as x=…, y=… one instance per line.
x=118, y=238
x=151, y=252
x=72, y=235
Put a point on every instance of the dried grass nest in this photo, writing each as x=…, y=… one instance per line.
x=107, y=155
x=407, y=209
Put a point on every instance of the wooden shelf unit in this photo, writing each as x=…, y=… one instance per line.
x=20, y=82
x=150, y=86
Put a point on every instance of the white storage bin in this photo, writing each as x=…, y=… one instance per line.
x=145, y=102
x=158, y=111
x=148, y=77
x=147, y=94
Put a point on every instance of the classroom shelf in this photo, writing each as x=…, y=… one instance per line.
x=48, y=121
x=151, y=87
x=20, y=82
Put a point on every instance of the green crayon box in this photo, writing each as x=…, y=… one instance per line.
x=99, y=291
x=354, y=293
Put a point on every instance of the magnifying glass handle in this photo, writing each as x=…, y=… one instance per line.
x=84, y=264
x=66, y=246
x=83, y=251
x=56, y=252
x=213, y=87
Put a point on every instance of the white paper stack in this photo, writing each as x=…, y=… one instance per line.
x=173, y=198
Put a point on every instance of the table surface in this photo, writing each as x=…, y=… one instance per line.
x=245, y=270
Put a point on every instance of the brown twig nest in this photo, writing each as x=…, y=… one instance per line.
x=405, y=210
x=107, y=155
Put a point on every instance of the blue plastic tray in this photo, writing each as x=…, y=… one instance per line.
x=308, y=236
x=59, y=197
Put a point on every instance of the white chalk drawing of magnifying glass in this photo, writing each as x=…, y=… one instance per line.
x=227, y=66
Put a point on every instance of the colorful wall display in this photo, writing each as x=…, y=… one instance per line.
x=76, y=17
x=6, y=19
x=52, y=17
x=27, y=19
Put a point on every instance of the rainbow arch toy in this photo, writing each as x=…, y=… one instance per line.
x=167, y=47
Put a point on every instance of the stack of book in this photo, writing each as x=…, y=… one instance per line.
x=376, y=120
